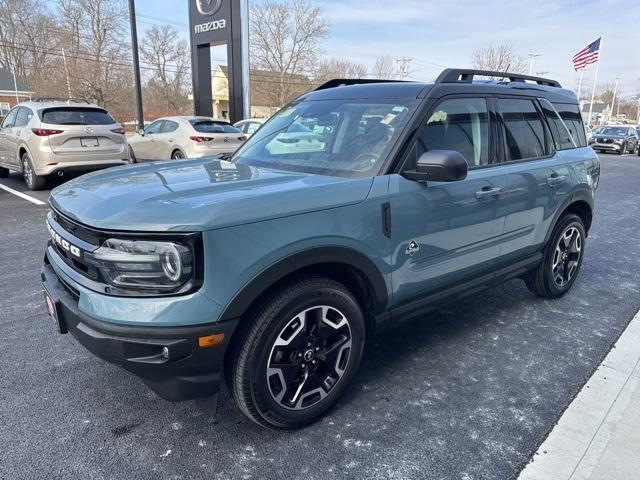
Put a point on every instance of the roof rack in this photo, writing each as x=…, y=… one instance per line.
x=341, y=82
x=60, y=99
x=463, y=75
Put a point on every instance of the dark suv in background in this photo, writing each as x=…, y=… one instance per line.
x=620, y=139
x=272, y=270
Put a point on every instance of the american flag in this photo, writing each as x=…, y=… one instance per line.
x=587, y=55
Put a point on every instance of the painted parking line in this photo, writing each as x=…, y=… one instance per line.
x=597, y=436
x=22, y=195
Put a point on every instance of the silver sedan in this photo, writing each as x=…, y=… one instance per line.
x=185, y=137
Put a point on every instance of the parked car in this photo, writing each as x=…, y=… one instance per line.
x=185, y=137
x=589, y=133
x=618, y=139
x=49, y=137
x=272, y=270
x=250, y=126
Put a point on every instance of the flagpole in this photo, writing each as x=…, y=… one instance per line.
x=580, y=84
x=595, y=82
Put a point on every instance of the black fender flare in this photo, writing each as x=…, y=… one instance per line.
x=250, y=292
x=582, y=195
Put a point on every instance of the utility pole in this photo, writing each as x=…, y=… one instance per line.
x=403, y=67
x=613, y=102
x=533, y=56
x=66, y=71
x=136, y=63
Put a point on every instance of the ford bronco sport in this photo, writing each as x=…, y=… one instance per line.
x=271, y=270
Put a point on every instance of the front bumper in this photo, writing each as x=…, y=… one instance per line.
x=610, y=147
x=187, y=372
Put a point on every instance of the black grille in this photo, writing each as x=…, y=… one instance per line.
x=80, y=231
x=69, y=289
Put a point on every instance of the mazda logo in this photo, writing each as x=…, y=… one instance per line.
x=208, y=7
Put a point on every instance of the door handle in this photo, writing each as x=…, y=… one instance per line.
x=556, y=180
x=488, y=193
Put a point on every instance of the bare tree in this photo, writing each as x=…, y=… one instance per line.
x=385, y=67
x=285, y=39
x=25, y=37
x=339, y=68
x=99, y=59
x=168, y=57
x=499, y=58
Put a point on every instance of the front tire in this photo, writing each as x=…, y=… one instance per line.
x=299, y=354
x=132, y=156
x=33, y=181
x=562, y=259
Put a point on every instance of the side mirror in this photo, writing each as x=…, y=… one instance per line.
x=141, y=132
x=439, y=166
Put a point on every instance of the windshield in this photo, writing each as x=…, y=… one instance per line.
x=210, y=126
x=612, y=131
x=347, y=138
x=76, y=116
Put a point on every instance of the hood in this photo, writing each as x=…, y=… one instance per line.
x=197, y=195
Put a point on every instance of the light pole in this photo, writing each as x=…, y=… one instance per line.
x=136, y=63
x=533, y=56
x=615, y=92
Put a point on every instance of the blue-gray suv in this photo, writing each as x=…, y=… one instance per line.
x=358, y=206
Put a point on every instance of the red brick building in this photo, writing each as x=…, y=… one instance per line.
x=8, y=91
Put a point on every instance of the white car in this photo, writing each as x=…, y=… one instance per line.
x=249, y=126
x=185, y=137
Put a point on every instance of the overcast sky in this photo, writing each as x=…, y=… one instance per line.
x=437, y=34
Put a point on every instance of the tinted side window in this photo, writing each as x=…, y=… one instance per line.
x=169, y=127
x=9, y=119
x=573, y=119
x=460, y=124
x=23, y=117
x=155, y=127
x=524, y=130
x=559, y=130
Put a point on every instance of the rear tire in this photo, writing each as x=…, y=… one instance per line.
x=33, y=181
x=562, y=259
x=177, y=155
x=4, y=172
x=299, y=354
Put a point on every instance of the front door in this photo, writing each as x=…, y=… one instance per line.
x=443, y=233
x=6, y=156
x=147, y=147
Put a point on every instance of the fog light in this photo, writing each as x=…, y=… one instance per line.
x=165, y=352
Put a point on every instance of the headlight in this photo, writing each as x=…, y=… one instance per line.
x=144, y=265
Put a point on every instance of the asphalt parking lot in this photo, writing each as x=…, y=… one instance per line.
x=468, y=392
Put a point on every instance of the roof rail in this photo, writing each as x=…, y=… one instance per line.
x=340, y=82
x=60, y=99
x=464, y=75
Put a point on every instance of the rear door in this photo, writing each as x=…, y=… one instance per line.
x=538, y=175
x=14, y=134
x=446, y=233
x=165, y=140
x=86, y=133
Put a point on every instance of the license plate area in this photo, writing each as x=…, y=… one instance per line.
x=89, y=142
x=55, y=311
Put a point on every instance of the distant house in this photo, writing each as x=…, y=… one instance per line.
x=264, y=102
x=8, y=91
x=600, y=112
